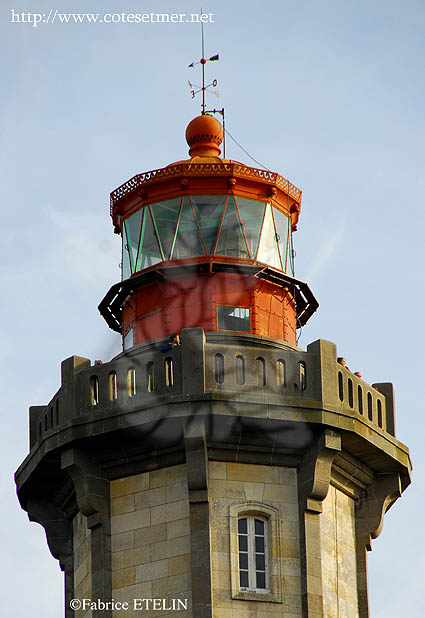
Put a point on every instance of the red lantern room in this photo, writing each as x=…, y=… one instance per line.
x=207, y=242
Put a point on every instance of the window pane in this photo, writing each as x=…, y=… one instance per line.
x=259, y=544
x=231, y=241
x=208, y=210
x=268, y=251
x=242, y=525
x=251, y=214
x=233, y=318
x=260, y=562
x=259, y=526
x=243, y=543
x=149, y=253
x=132, y=229
x=243, y=561
x=126, y=270
x=282, y=226
x=261, y=580
x=129, y=339
x=244, y=579
x=290, y=268
x=187, y=242
x=164, y=215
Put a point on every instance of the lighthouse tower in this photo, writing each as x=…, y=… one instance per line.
x=213, y=468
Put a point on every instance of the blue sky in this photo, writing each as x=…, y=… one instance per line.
x=329, y=94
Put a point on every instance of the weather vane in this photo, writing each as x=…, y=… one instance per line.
x=204, y=88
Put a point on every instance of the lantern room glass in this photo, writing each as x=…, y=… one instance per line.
x=213, y=225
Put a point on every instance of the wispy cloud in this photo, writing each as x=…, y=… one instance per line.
x=327, y=249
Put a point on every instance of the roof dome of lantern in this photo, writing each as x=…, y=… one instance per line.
x=204, y=135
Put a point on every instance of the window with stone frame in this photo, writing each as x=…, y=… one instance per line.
x=255, y=552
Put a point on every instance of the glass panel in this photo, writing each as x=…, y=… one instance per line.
x=282, y=228
x=260, y=562
x=259, y=526
x=126, y=271
x=132, y=229
x=129, y=339
x=290, y=266
x=268, y=251
x=233, y=318
x=149, y=253
x=242, y=526
x=243, y=561
x=261, y=580
x=164, y=216
x=231, y=241
x=208, y=210
x=259, y=544
x=244, y=579
x=251, y=214
x=243, y=543
x=187, y=242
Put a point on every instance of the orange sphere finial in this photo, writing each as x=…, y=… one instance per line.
x=204, y=135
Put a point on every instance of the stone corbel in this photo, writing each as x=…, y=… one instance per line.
x=57, y=527
x=315, y=472
x=373, y=505
x=91, y=486
x=197, y=460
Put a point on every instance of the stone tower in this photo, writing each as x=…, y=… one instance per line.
x=233, y=474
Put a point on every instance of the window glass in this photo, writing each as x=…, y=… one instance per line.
x=149, y=253
x=290, y=267
x=233, y=318
x=129, y=339
x=252, y=553
x=208, y=210
x=187, y=241
x=282, y=227
x=268, y=251
x=126, y=270
x=231, y=241
x=251, y=213
x=132, y=229
x=164, y=215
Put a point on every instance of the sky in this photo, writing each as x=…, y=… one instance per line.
x=329, y=94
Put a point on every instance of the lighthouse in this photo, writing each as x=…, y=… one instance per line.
x=213, y=467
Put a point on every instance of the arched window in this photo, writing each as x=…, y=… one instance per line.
x=360, y=398
x=40, y=429
x=281, y=373
x=94, y=390
x=51, y=416
x=131, y=382
x=57, y=411
x=302, y=376
x=240, y=369
x=252, y=551
x=169, y=371
x=113, y=386
x=379, y=404
x=261, y=371
x=369, y=407
x=350, y=393
x=219, y=368
x=340, y=386
x=45, y=422
x=150, y=383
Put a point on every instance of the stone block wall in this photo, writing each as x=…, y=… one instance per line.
x=256, y=488
x=339, y=568
x=82, y=563
x=151, y=539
